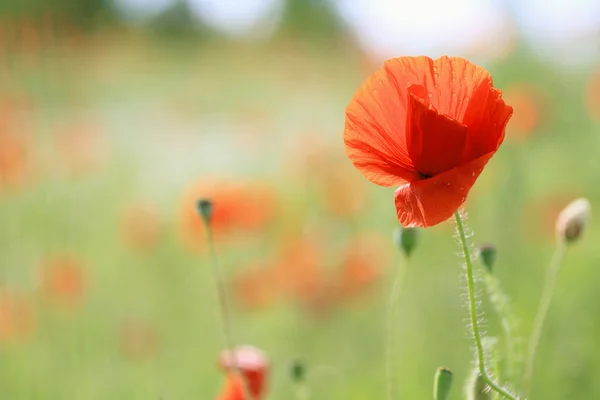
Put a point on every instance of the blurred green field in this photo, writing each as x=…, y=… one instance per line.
x=157, y=117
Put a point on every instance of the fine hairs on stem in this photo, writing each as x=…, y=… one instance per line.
x=205, y=211
x=392, y=382
x=480, y=356
x=540, y=316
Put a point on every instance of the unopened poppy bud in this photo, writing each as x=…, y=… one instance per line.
x=205, y=209
x=487, y=255
x=298, y=371
x=477, y=389
x=572, y=220
x=406, y=239
x=442, y=382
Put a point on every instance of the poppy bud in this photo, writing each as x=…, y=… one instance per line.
x=487, y=255
x=406, y=239
x=205, y=210
x=298, y=370
x=442, y=382
x=477, y=389
x=572, y=220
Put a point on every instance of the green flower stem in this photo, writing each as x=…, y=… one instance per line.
x=473, y=313
x=224, y=310
x=542, y=311
x=509, y=325
x=392, y=382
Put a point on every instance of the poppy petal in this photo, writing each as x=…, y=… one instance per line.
x=431, y=201
x=374, y=133
x=435, y=141
x=486, y=116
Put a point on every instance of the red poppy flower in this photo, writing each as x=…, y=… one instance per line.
x=16, y=316
x=429, y=127
x=253, y=366
x=63, y=280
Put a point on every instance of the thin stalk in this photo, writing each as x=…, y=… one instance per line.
x=473, y=313
x=509, y=323
x=542, y=312
x=392, y=382
x=224, y=310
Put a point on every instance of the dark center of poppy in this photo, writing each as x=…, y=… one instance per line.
x=424, y=176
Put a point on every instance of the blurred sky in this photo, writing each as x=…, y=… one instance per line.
x=565, y=30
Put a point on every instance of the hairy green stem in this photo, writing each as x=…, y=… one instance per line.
x=392, y=382
x=509, y=325
x=542, y=312
x=473, y=313
x=224, y=311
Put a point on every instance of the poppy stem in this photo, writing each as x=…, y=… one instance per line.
x=391, y=330
x=224, y=310
x=473, y=313
x=542, y=312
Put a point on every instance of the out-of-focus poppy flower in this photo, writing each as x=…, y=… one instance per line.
x=592, y=99
x=539, y=216
x=13, y=159
x=138, y=340
x=236, y=207
x=429, y=127
x=299, y=271
x=254, y=368
x=526, y=105
x=81, y=147
x=363, y=263
x=140, y=227
x=17, y=318
x=63, y=280
x=255, y=286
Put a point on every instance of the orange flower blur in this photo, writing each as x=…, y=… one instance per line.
x=62, y=279
x=525, y=103
x=140, y=227
x=16, y=316
x=237, y=206
x=593, y=97
x=429, y=127
x=253, y=366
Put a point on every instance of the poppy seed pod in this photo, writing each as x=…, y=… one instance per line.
x=487, y=254
x=572, y=220
x=205, y=209
x=477, y=389
x=298, y=370
x=442, y=383
x=406, y=239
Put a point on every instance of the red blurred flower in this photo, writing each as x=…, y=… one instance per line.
x=237, y=207
x=255, y=286
x=138, y=340
x=526, y=104
x=592, y=100
x=62, y=280
x=16, y=316
x=82, y=148
x=253, y=366
x=429, y=127
x=140, y=227
x=363, y=263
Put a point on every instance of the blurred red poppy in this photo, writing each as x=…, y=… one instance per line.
x=138, y=340
x=62, y=280
x=363, y=264
x=237, y=207
x=429, y=127
x=255, y=286
x=81, y=147
x=525, y=102
x=592, y=99
x=140, y=227
x=253, y=366
x=16, y=316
